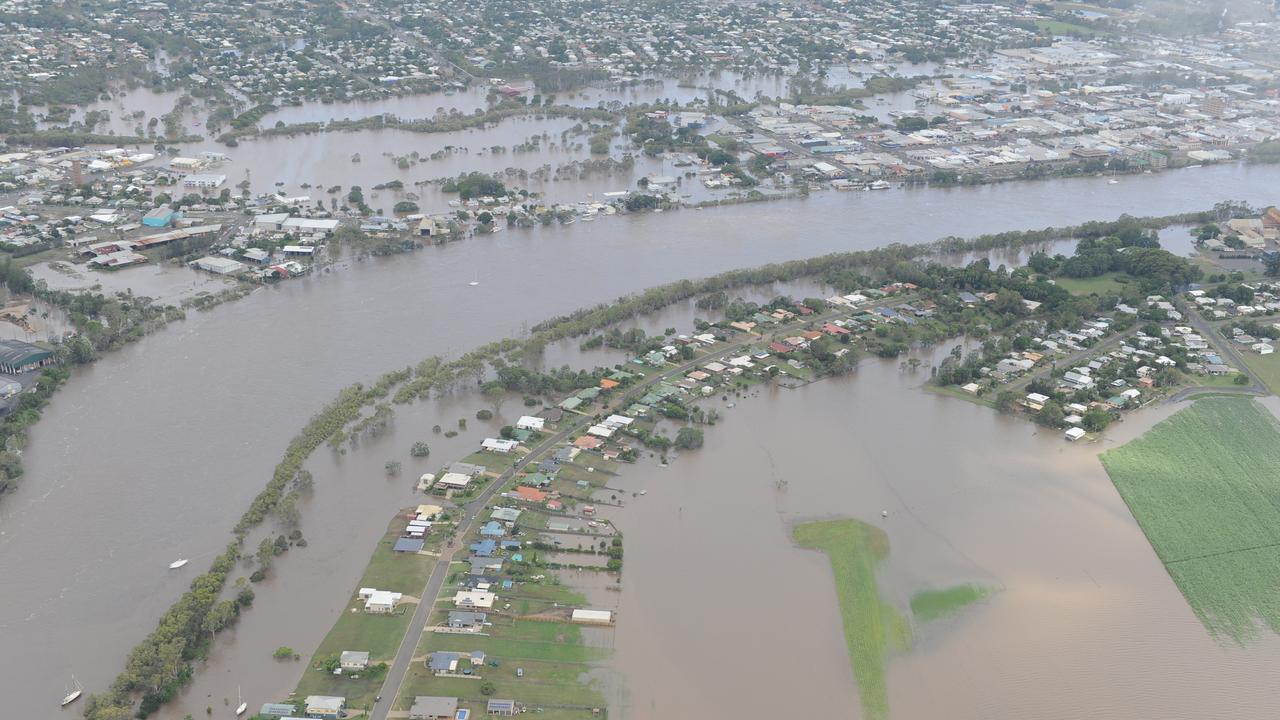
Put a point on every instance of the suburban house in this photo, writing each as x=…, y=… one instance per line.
x=326, y=707
x=464, y=620
x=429, y=707
x=474, y=599
x=498, y=445
x=353, y=660
x=379, y=601
x=531, y=423
x=277, y=710
x=444, y=662
x=453, y=481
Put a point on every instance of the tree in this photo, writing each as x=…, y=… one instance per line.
x=283, y=653
x=1271, y=263
x=688, y=438
x=487, y=688
x=420, y=449
x=1051, y=414
x=405, y=207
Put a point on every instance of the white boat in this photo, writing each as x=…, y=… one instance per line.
x=243, y=705
x=1113, y=182
x=178, y=563
x=878, y=185
x=74, y=694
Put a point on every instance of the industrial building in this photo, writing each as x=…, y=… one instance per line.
x=160, y=217
x=17, y=356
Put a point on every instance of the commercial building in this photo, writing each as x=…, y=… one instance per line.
x=17, y=356
x=204, y=181
x=219, y=265
x=160, y=217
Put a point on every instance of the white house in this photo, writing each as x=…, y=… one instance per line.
x=498, y=445
x=531, y=423
x=474, y=599
x=353, y=660
x=1074, y=434
x=453, y=481
x=381, y=601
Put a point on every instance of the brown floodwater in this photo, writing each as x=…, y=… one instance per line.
x=154, y=451
x=725, y=617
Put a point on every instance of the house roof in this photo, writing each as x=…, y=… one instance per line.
x=17, y=352
x=433, y=706
x=405, y=544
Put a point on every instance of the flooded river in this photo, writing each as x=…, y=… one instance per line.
x=153, y=452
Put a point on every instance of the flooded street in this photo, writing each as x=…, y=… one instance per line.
x=723, y=616
x=154, y=451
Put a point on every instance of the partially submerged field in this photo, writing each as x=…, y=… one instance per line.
x=1204, y=486
x=872, y=626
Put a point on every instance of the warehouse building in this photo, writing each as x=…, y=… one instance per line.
x=18, y=357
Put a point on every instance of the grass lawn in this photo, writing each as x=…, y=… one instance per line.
x=872, y=626
x=987, y=399
x=551, y=654
x=495, y=463
x=1107, y=282
x=933, y=604
x=1204, y=485
x=1266, y=366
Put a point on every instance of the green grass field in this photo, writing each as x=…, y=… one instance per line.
x=933, y=604
x=552, y=654
x=1108, y=282
x=1204, y=486
x=872, y=626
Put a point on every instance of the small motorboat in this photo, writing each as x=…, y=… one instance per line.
x=178, y=563
x=1113, y=182
x=75, y=694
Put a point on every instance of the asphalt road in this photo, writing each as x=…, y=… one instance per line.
x=1228, y=352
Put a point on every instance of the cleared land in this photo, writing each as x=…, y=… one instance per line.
x=933, y=604
x=872, y=626
x=1105, y=283
x=1204, y=486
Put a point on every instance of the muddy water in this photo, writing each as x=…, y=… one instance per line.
x=721, y=612
x=155, y=450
